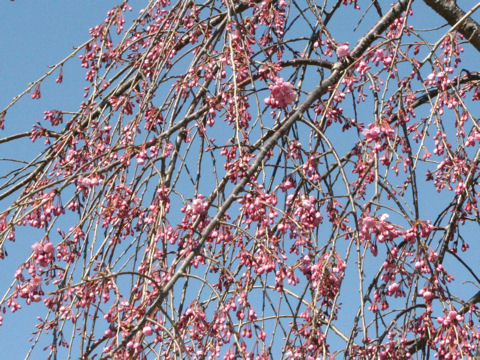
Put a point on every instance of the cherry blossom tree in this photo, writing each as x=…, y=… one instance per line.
x=255, y=179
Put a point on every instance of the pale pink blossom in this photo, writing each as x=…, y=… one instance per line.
x=198, y=207
x=282, y=94
x=147, y=330
x=343, y=50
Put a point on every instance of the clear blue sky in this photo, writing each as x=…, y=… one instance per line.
x=34, y=35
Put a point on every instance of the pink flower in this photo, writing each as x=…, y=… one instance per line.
x=198, y=207
x=362, y=67
x=37, y=247
x=43, y=254
x=343, y=50
x=54, y=116
x=392, y=289
x=372, y=133
x=59, y=79
x=147, y=330
x=36, y=93
x=141, y=157
x=109, y=333
x=48, y=248
x=427, y=295
x=282, y=94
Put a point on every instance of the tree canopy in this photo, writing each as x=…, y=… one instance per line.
x=255, y=179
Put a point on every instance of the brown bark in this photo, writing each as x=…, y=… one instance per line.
x=449, y=10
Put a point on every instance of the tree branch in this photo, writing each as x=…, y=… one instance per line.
x=457, y=17
x=420, y=343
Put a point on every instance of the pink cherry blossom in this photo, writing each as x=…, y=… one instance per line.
x=36, y=92
x=163, y=214
x=343, y=50
x=147, y=331
x=282, y=94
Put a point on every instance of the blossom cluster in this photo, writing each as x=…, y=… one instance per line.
x=282, y=94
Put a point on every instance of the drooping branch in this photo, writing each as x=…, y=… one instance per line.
x=234, y=190
x=455, y=16
x=419, y=344
x=323, y=88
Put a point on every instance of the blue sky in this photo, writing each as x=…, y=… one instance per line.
x=34, y=35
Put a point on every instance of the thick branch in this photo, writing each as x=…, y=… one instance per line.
x=453, y=14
